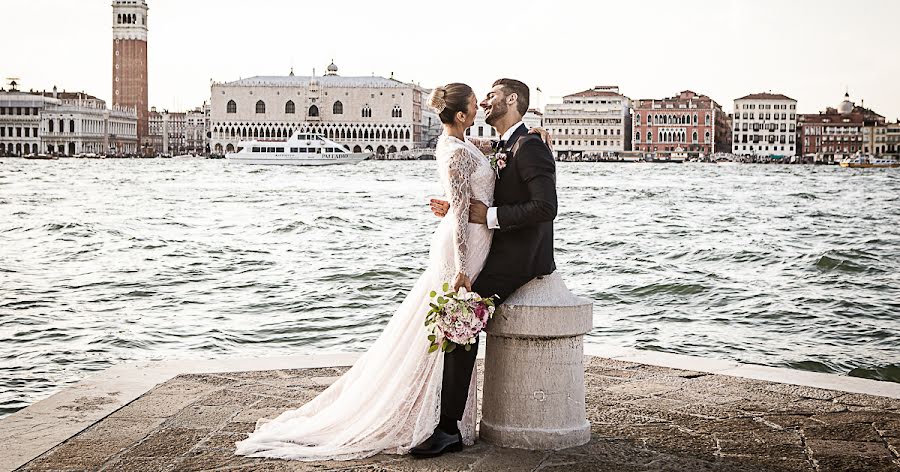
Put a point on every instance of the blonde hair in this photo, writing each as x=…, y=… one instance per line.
x=450, y=99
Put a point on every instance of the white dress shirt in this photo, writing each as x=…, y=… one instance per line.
x=492, y=221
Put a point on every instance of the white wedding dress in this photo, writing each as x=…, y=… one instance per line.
x=390, y=400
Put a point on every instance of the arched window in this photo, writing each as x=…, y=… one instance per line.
x=649, y=119
x=366, y=112
x=695, y=118
x=637, y=118
x=649, y=134
x=260, y=106
x=71, y=126
x=707, y=119
x=397, y=112
x=51, y=126
x=289, y=107
x=694, y=137
x=706, y=136
x=231, y=107
x=313, y=111
x=637, y=136
x=338, y=108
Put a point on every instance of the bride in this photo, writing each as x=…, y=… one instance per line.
x=389, y=401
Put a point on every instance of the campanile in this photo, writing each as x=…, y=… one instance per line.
x=129, y=83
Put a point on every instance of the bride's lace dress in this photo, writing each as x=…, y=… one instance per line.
x=389, y=401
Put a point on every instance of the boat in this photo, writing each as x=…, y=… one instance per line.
x=301, y=149
x=42, y=157
x=865, y=161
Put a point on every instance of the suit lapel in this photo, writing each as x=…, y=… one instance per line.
x=522, y=130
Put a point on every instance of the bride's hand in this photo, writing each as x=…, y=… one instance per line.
x=462, y=280
x=545, y=136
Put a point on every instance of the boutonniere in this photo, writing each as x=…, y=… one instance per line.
x=498, y=162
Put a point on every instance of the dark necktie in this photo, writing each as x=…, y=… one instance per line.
x=498, y=145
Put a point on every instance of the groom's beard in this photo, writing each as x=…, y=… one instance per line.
x=498, y=111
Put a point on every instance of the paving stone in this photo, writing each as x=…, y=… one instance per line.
x=253, y=414
x=202, y=417
x=224, y=396
x=502, y=459
x=856, y=464
x=845, y=432
x=870, y=401
x=828, y=448
x=154, y=406
x=168, y=442
x=143, y=464
x=75, y=454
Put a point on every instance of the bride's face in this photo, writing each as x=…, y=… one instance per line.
x=471, y=111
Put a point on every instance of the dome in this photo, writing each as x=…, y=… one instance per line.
x=332, y=69
x=846, y=107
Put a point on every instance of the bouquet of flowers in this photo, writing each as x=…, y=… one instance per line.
x=456, y=318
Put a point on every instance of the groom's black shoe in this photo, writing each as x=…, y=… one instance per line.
x=439, y=443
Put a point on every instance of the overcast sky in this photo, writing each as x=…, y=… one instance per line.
x=810, y=50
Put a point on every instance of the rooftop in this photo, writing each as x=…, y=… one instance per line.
x=323, y=81
x=765, y=96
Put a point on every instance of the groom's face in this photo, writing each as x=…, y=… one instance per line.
x=494, y=105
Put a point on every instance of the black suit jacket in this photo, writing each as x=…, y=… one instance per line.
x=525, y=197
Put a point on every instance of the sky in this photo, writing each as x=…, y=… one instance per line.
x=810, y=50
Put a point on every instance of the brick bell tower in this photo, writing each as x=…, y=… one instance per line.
x=129, y=83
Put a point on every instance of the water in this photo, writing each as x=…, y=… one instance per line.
x=105, y=261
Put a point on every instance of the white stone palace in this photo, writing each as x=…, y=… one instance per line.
x=65, y=124
x=376, y=114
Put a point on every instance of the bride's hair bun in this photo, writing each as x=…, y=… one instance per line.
x=449, y=100
x=437, y=100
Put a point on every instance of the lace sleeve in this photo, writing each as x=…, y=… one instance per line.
x=483, y=144
x=461, y=166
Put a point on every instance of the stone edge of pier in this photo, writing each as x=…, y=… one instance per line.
x=29, y=433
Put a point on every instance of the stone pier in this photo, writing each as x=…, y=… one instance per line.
x=647, y=411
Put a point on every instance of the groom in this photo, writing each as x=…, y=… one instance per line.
x=522, y=247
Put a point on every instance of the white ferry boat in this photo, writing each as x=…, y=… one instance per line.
x=299, y=150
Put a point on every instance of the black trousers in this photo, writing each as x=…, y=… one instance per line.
x=458, y=365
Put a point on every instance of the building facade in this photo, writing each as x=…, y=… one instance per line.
x=593, y=122
x=129, y=74
x=840, y=132
x=765, y=125
x=196, y=129
x=20, y=121
x=81, y=124
x=375, y=114
x=64, y=124
x=167, y=132
x=687, y=122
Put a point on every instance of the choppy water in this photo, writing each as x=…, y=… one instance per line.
x=115, y=260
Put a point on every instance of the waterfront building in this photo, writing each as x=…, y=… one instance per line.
x=80, y=124
x=593, y=122
x=839, y=132
x=129, y=74
x=375, y=114
x=687, y=122
x=167, y=132
x=20, y=121
x=765, y=125
x=64, y=123
x=196, y=129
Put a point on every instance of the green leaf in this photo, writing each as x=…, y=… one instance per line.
x=446, y=287
x=431, y=338
x=450, y=348
x=432, y=348
x=432, y=294
x=468, y=347
x=442, y=300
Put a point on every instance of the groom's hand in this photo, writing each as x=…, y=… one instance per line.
x=439, y=207
x=477, y=212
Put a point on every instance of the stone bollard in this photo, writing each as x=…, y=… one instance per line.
x=534, y=369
